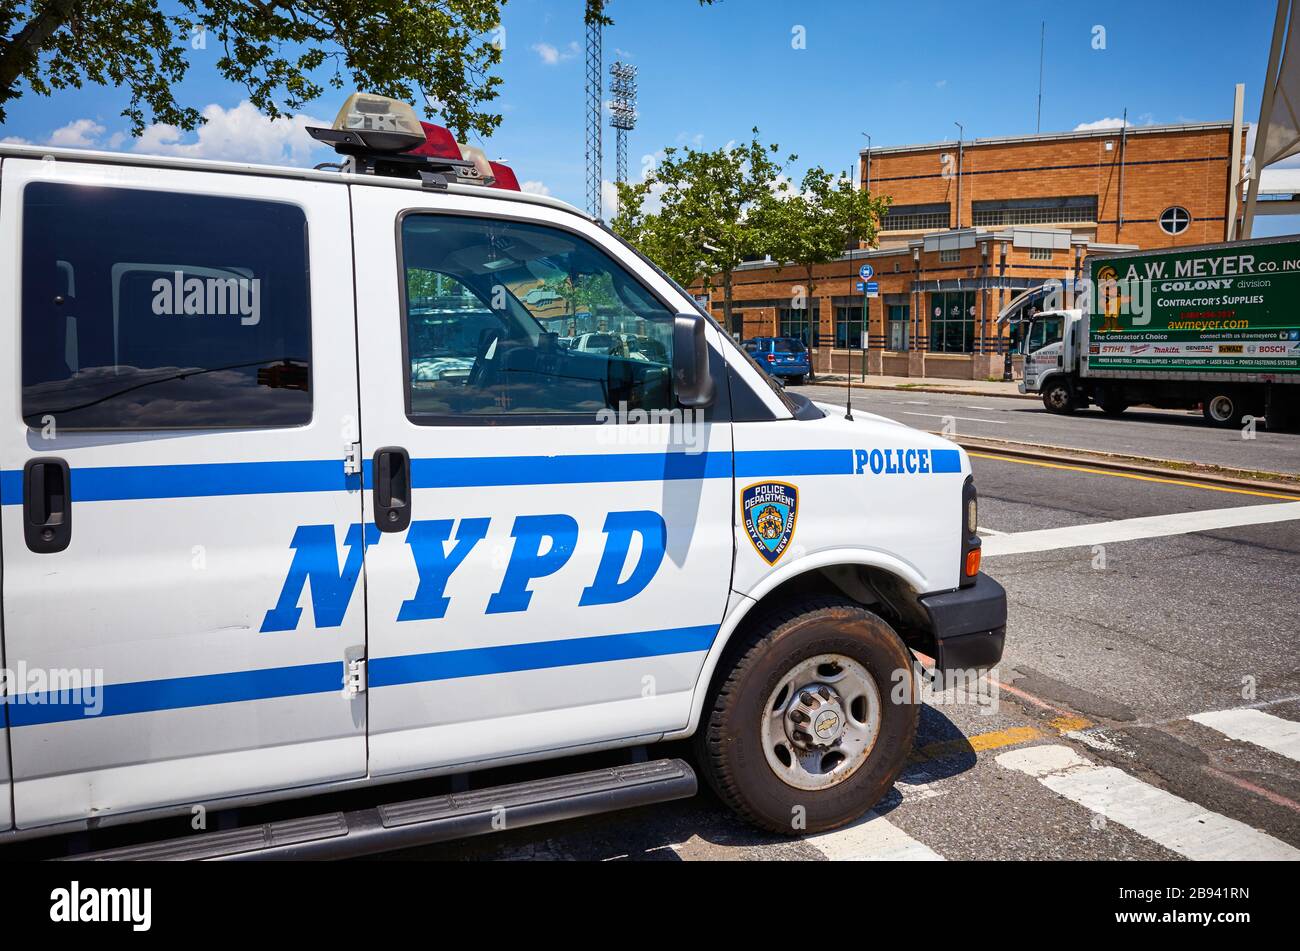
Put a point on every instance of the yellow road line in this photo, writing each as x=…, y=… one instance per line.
x=1133, y=475
x=996, y=740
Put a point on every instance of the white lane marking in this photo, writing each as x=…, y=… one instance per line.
x=1162, y=817
x=871, y=839
x=985, y=409
x=913, y=403
x=1132, y=529
x=965, y=419
x=981, y=530
x=1257, y=727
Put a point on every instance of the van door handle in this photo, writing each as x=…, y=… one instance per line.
x=47, y=504
x=392, y=488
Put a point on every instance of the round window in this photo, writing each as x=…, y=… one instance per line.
x=1175, y=220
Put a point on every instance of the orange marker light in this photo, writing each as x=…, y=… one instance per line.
x=973, y=562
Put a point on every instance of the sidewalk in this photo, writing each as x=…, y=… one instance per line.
x=916, y=384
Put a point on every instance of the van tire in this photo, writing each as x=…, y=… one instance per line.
x=729, y=742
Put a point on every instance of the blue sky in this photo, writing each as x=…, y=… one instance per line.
x=903, y=72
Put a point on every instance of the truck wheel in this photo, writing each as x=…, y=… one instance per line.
x=1058, y=397
x=1223, y=408
x=810, y=727
x=1112, y=404
x=797, y=380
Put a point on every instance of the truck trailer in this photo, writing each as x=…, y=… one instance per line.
x=1214, y=326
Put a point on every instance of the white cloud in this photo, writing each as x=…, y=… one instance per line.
x=238, y=134
x=15, y=140
x=1107, y=123
x=940, y=84
x=77, y=134
x=553, y=56
x=534, y=188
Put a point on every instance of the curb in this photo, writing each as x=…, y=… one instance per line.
x=927, y=389
x=1142, y=465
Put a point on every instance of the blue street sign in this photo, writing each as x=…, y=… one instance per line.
x=862, y=287
x=866, y=272
x=873, y=289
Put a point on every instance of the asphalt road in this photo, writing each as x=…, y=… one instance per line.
x=1142, y=431
x=1086, y=748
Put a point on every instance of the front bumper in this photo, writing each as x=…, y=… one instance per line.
x=968, y=625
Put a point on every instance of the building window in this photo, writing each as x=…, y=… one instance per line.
x=848, y=328
x=932, y=217
x=898, y=318
x=1071, y=209
x=1040, y=254
x=1175, y=220
x=800, y=324
x=950, y=255
x=952, y=322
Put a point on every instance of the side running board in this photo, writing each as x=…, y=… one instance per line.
x=419, y=822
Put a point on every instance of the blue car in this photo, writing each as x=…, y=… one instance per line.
x=784, y=357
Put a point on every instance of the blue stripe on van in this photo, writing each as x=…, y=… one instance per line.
x=510, y=658
x=120, y=483
x=151, y=696
x=148, y=696
x=945, y=460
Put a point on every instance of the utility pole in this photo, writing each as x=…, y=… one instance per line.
x=961, y=139
x=867, y=183
x=1042, y=46
x=595, y=84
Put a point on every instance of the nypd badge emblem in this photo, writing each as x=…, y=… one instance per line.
x=770, y=509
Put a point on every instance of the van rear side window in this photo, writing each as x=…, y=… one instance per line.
x=159, y=310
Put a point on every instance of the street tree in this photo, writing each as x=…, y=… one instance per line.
x=817, y=224
x=703, y=228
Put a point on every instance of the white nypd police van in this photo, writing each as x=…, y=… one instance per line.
x=320, y=479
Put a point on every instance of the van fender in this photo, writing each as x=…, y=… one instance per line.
x=740, y=603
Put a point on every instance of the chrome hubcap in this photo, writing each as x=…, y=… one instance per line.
x=1221, y=408
x=821, y=722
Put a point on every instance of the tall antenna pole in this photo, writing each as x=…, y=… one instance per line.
x=1042, y=45
x=595, y=84
x=622, y=112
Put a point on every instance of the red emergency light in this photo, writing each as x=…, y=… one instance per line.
x=439, y=143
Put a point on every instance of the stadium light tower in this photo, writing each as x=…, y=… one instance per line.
x=594, y=86
x=622, y=112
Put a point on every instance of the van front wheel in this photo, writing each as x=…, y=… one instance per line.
x=812, y=723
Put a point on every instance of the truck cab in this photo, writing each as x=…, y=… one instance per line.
x=1050, y=343
x=301, y=493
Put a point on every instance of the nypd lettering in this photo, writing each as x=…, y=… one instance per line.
x=770, y=510
x=906, y=461
x=543, y=544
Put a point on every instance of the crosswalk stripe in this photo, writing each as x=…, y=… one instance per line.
x=1255, y=726
x=1160, y=816
x=1133, y=529
x=871, y=838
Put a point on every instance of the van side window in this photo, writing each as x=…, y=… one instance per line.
x=515, y=319
x=158, y=310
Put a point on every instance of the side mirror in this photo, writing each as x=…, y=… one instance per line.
x=691, y=378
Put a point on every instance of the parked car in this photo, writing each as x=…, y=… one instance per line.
x=784, y=357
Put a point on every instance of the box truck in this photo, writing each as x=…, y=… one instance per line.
x=1214, y=326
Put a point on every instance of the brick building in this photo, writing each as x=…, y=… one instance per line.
x=974, y=224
